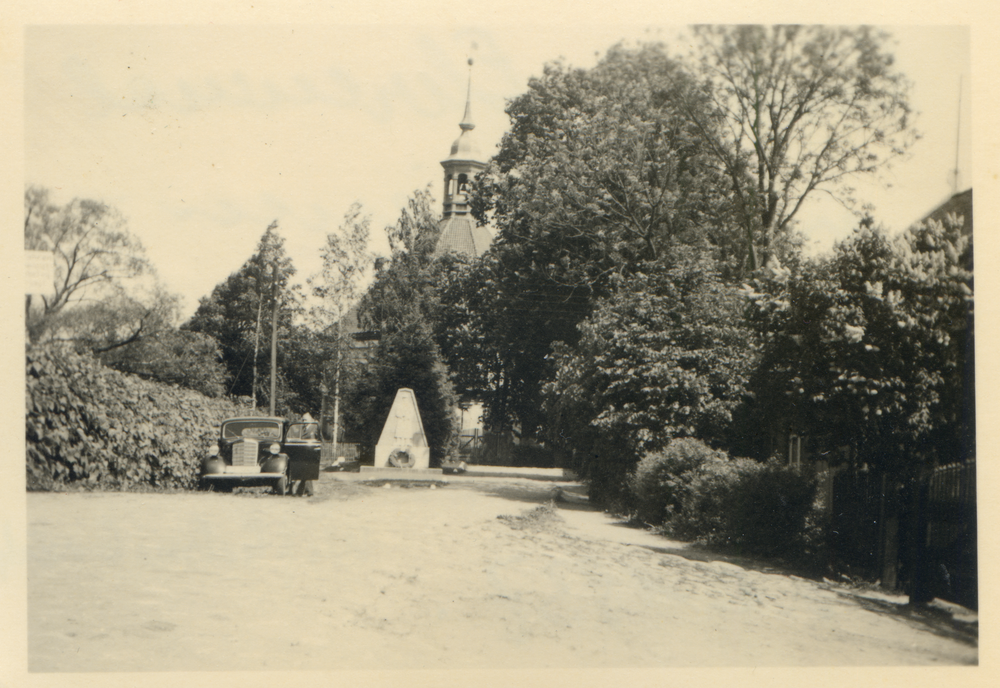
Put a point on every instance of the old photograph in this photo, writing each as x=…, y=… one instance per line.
x=492, y=347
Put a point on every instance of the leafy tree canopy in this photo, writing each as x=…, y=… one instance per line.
x=601, y=171
x=403, y=291
x=97, y=259
x=668, y=354
x=603, y=168
x=801, y=109
x=872, y=347
x=237, y=314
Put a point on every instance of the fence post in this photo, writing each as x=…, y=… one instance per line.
x=889, y=533
x=920, y=591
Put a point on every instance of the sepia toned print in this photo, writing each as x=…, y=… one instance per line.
x=667, y=361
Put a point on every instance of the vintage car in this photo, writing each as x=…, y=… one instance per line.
x=257, y=450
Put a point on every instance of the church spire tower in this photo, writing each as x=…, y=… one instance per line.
x=459, y=233
x=463, y=163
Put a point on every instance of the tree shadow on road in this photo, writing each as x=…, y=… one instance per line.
x=923, y=617
x=938, y=621
x=565, y=496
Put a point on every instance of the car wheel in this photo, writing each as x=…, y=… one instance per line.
x=281, y=485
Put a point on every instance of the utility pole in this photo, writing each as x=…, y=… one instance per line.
x=274, y=333
x=336, y=391
x=256, y=349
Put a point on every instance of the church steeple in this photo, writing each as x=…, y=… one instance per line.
x=459, y=232
x=467, y=124
x=463, y=163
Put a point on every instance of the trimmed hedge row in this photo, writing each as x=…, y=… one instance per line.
x=88, y=425
x=691, y=491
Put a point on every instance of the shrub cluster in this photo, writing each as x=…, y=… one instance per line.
x=92, y=426
x=688, y=490
x=661, y=481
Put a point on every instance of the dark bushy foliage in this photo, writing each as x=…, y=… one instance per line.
x=92, y=426
x=408, y=358
x=770, y=508
x=606, y=469
x=665, y=355
x=692, y=491
x=500, y=450
x=755, y=508
x=662, y=478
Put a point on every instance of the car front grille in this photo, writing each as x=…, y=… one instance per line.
x=245, y=453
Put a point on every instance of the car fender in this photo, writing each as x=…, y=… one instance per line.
x=275, y=464
x=212, y=465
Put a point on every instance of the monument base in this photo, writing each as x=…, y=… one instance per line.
x=403, y=473
x=402, y=458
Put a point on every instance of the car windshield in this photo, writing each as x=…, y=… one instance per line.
x=254, y=429
x=303, y=431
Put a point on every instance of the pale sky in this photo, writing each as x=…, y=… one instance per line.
x=202, y=135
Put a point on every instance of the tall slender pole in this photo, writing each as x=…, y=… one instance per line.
x=274, y=333
x=336, y=394
x=256, y=349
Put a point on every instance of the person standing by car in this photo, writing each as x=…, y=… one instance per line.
x=306, y=431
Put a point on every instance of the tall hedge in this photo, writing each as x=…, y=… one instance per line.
x=690, y=491
x=89, y=425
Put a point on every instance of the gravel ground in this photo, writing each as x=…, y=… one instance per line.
x=468, y=574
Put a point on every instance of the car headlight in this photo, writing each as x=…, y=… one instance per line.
x=275, y=448
x=213, y=450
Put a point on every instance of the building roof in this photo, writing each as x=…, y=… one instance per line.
x=959, y=204
x=460, y=234
x=465, y=149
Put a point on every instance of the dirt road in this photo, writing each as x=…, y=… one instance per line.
x=368, y=577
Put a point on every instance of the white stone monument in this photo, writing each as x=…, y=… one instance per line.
x=403, y=443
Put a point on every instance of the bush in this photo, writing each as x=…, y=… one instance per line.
x=691, y=491
x=91, y=426
x=754, y=508
x=661, y=479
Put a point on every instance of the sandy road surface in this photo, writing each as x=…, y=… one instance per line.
x=362, y=577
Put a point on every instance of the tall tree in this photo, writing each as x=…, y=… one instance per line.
x=96, y=256
x=403, y=291
x=869, y=347
x=337, y=287
x=802, y=109
x=403, y=306
x=603, y=167
x=496, y=330
x=237, y=315
x=602, y=170
x=668, y=354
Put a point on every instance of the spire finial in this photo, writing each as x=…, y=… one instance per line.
x=467, y=124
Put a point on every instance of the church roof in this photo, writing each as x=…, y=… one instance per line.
x=465, y=149
x=460, y=234
x=960, y=205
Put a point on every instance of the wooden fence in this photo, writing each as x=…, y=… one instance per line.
x=920, y=536
x=945, y=550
